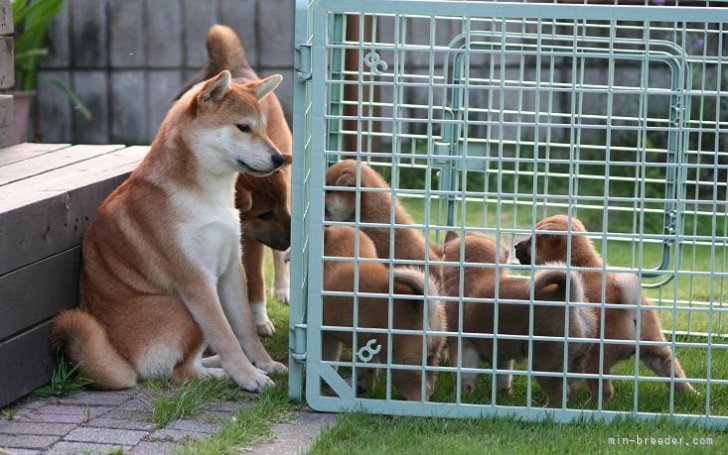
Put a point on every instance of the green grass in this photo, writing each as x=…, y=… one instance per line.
x=358, y=433
x=173, y=402
x=64, y=380
x=250, y=424
x=369, y=434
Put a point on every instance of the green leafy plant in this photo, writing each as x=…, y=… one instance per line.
x=65, y=379
x=31, y=19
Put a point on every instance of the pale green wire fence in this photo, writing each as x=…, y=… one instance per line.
x=488, y=116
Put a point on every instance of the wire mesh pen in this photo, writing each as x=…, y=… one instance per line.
x=485, y=117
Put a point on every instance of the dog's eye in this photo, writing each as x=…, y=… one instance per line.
x=243, y=128
x=266, y=215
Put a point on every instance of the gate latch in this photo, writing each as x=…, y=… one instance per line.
x=303, y=62
x=298, y=344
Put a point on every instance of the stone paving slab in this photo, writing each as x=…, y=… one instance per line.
x=106, y=436
x=153, y=448
x=295, y=437
x=101, y=422
x=39, y=428
x=27, y=441
x=76, y=448
x=20, y=452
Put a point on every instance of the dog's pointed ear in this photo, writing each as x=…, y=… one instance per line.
x=216, y=88
x=346, y=179
x=450, y=236
x=244, y=200
x=264, y=86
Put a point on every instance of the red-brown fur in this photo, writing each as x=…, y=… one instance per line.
x=148, y=301
x=373, y=312
x=513, y=319
x=618, y=289
x=409, y=244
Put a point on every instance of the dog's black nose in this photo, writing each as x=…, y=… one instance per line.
x=523, y=252
x=278, y=160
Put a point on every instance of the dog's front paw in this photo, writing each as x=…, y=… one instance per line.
x=265, y=328
x=273, y=367
x=283, y=294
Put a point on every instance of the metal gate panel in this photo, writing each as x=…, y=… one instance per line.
x=485, y=117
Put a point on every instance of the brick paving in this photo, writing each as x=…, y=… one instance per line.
x=102, y=422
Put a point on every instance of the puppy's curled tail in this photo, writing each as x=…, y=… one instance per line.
x=87, y=344
x=582, y=321
x=225, y=51
x=629, y=287
x=414, y=278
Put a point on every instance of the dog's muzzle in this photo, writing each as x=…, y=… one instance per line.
x=523, y=252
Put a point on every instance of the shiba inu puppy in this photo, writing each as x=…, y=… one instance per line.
x=620, y=288
x=373, y=312
x=162, y=274
x=375, y=208
x=513, y=319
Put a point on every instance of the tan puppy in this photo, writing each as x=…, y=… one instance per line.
x=621, y=288
x=375, y=208
x=513, y=319
x=373, y=312
x=264, y=202
x=162, y=273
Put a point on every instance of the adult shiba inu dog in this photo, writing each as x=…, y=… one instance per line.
x=162, y=273
x=513, y=319
x=339, y=241
x=620, y=288
x=375, y=208
x=264, y=201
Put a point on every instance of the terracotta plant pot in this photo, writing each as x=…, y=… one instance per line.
x=22, y=102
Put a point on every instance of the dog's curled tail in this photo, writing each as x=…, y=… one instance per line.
x=414, y=278
x=583, y=323
x=87, y=344
x=225, y=51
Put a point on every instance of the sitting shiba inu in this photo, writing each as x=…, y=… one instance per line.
x=264, y=201
x=513, y=319
x=374, y=313
x=162, y=274
x=620, y=288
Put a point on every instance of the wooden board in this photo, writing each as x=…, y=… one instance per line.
x=38, y=291
x=53, y=161
x=49, y=213
x=6, y=17
x=7, y=68
x=26, y=151
x=6, y=121
x=26, y=361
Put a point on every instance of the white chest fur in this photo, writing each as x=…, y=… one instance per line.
x=209, y=232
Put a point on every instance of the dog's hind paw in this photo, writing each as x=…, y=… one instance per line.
x=265, y=328
x=282, y=294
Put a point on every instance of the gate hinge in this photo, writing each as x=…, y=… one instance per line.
x=302, y=62
x=298, y=335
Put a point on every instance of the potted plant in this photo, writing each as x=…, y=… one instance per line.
x=31, y=19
